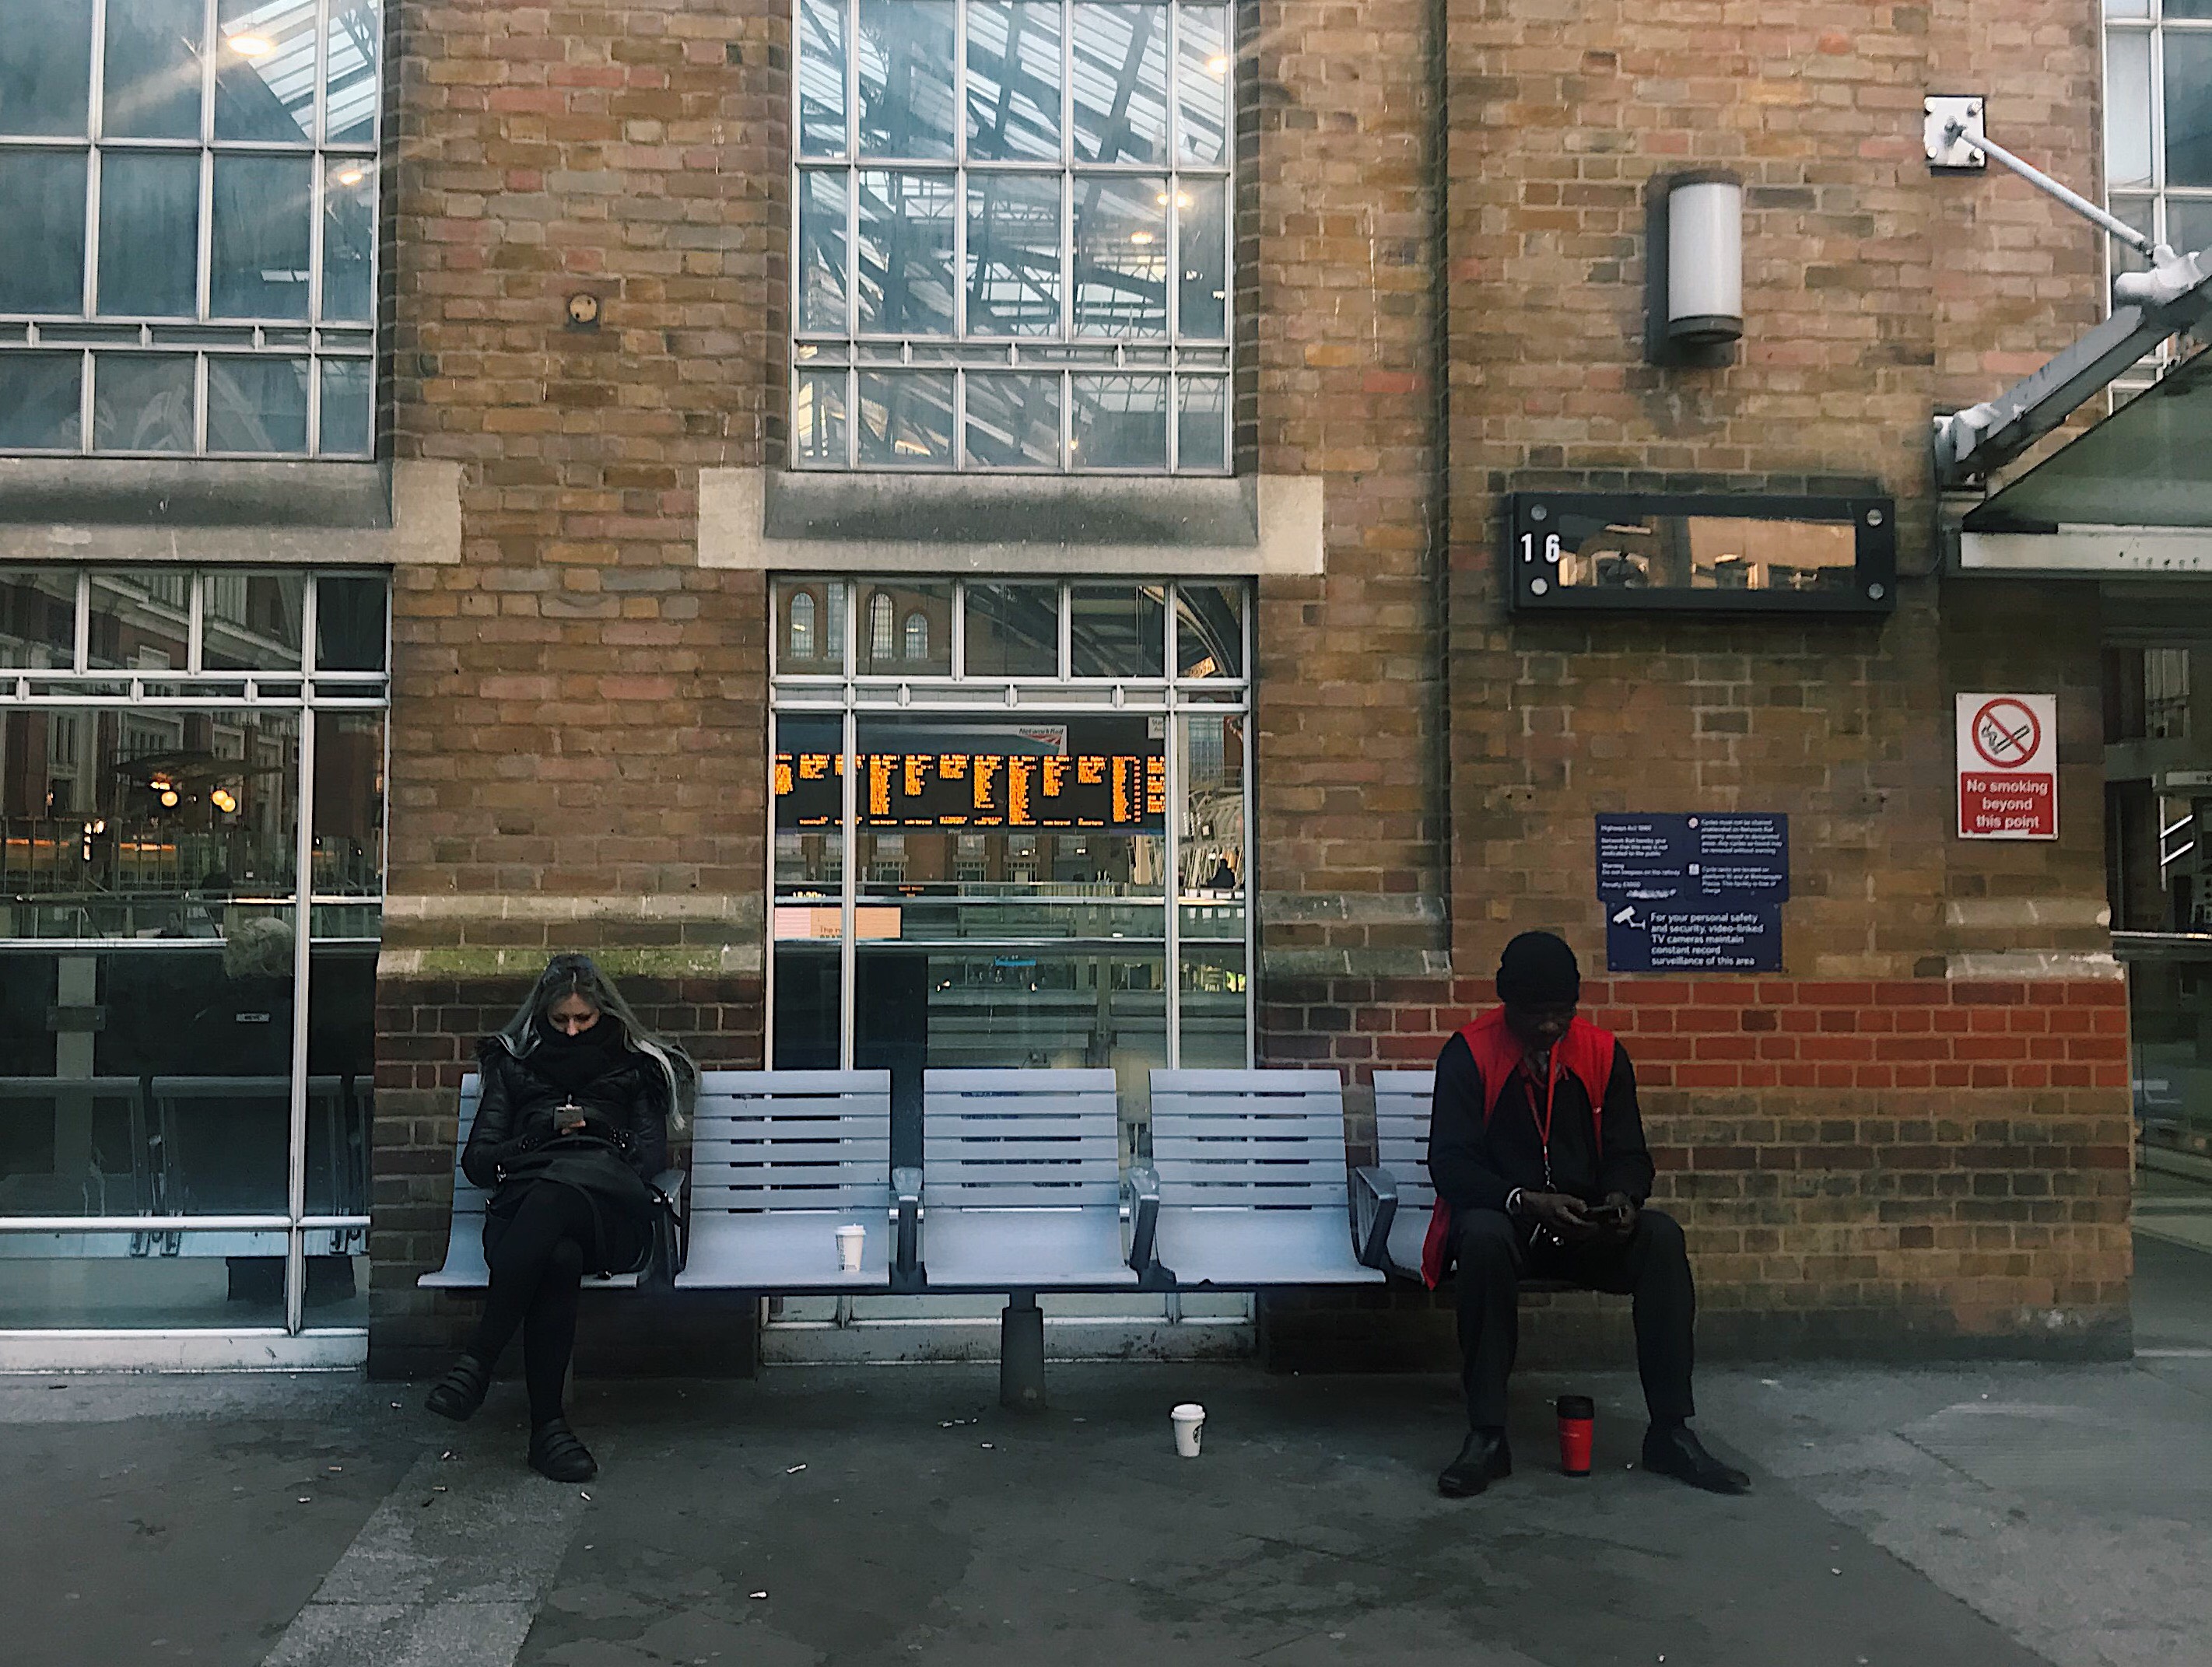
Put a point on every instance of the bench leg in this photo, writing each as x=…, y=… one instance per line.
x=1021, y=1353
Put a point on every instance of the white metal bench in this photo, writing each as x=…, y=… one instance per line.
x=464, y=1269
x=1251, y=1179
x=781, y=1159
x=1021, y=1193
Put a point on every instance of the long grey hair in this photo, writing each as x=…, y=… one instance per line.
x=567, y=975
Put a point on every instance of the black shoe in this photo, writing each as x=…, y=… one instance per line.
x=554, y=1452
x=461, y=1391
x=1483, y=1460
x=1674, y=1451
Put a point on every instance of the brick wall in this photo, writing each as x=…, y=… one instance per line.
x=578, y=706
x=1439, y=232
x=1848, y=1182
x=1339, y=248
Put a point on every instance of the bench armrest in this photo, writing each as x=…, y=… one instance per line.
x=905, y=1249
x=1374, y=1207
x=673, y=1184
x=1142, y=1189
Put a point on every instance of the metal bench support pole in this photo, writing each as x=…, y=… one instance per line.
x=1021, y=1353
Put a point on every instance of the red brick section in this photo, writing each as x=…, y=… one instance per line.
x=1896, y=1165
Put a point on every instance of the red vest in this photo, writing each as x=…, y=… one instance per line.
x=1585, y=1053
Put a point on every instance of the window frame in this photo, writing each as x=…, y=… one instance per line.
x=318, y=342
x=321, y=919
x=845, y=694
x=1081, y=363
x=2157, y=194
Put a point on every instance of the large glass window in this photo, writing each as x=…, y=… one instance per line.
x=192, y=870
x=2158, y=121
x=1047, y=822
x=188, y=189
x=1012, y=235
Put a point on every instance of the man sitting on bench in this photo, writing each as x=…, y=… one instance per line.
x=1536, y=1148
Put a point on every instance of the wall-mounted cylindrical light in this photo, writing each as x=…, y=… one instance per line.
x=1694, y=294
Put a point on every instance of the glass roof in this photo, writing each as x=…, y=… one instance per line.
x=2149, y=463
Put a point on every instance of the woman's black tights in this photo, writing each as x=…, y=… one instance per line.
x=537, y=1257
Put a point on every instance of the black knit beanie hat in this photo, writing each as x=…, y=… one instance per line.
x=1539, y=970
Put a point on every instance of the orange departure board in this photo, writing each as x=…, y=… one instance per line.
x=1110, y=774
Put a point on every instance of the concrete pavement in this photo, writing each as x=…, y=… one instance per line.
x=1994, y=1514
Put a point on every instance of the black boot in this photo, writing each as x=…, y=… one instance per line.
x=1483, y=1460
x=554, y=1452
x=461, y=1391
x=1672, y=1450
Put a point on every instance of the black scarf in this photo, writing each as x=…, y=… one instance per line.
x=572, y=1063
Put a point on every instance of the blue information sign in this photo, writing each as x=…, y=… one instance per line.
x=1693, y=892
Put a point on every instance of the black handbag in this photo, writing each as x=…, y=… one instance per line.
x=663, y=1250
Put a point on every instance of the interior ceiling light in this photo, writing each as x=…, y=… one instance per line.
x=251, y=45
x=351, y=177
x=168, y=798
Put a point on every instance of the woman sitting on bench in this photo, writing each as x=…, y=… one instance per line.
x=578, y=1101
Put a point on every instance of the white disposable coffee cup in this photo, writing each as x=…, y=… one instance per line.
x=849, y=1241
x=1189, y=1425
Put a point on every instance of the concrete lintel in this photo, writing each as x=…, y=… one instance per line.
x=1351, y=909
x=2023, y=913
x=752, y=520
x=2010, y=966
x=744, y=907
x=1356, y=963
x=231, y=514
x=710, y=961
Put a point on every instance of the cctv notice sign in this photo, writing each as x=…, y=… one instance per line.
x=2007, y=766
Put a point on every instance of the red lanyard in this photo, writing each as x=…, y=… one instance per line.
x=1543, y=1122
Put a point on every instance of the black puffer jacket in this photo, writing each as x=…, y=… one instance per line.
x=625, y=1106
x=514, y=1148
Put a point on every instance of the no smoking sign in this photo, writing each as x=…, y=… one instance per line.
x=2007, y=766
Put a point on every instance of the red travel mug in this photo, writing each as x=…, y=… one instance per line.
x=1577, y=1422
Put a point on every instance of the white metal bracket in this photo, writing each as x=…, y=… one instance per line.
x=1952, y=119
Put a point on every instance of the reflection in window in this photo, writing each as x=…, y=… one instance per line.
x=802, y=627
x=255, y=336
x=1076, y=200
x=917, y=637
x=880, y=613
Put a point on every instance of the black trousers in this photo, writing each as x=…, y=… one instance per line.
x=536, y=1255
x=1651, y=1265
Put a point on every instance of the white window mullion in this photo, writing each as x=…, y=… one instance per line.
x=80, y=654
x=92, y=185
x=95, y=108
x=196, y=626
x=319, y=127
x=205, y=252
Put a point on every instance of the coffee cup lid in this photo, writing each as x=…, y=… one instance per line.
x=1188, y=1409
x=1578, y=1406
